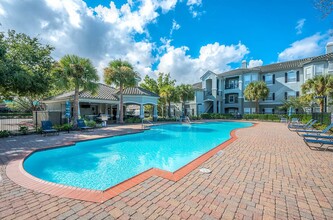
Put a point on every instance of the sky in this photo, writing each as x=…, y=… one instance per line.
x=185, y=38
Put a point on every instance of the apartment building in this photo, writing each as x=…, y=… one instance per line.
x=224, y=92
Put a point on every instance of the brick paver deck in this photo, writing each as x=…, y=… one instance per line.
x=268, y=172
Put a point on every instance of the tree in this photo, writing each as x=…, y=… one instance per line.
x=319, y=86
x=76, y=73
x=165, y=87
x=186, y=93
x=121, y=74
x=25, y=66
x=169, y=93
x=255, y=91
x=295, y=103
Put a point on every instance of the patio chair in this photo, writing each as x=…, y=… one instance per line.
x=308, y=128
x=299, y=126
x=321, y=142
x=47, y=128
x=82, y=125
x=316, y=133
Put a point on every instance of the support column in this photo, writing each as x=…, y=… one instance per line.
x=117, y=115
x=78, y=110
x=214, y=106
x=155, y=113
x=142, y=114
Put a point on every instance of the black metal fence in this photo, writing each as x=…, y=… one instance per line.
x=17, y=123
x=323, y=118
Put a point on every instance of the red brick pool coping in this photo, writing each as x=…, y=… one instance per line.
x=16, y=173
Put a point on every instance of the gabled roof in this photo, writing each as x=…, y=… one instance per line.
x=197, y=85
x=288, y=65
x=138, y=91
x=103, y=92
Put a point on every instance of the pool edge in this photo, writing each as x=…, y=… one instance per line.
x=16, y=173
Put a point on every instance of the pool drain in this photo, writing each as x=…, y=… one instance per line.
x=205, y=170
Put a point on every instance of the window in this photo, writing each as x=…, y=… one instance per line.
x=247, y=80
x=250, y=78
x=290, y=94
x=308, y=73
x=330, y=66
x=247, y=110
x=268, y=110
x=270, y=97
x=268, y=79
x=231, y=84
x=231, y=98
x=319, y=69
x=291, y=76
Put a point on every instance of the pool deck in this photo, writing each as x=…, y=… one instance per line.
x=266, y=173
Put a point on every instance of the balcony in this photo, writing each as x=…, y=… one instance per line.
x=231, y=86
x=231, y=102
x=208, y=95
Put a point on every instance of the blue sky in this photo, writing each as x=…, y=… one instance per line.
x=185, y=38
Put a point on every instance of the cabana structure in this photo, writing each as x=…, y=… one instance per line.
x=104, y=102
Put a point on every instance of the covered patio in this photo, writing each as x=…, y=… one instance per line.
x=105, y=103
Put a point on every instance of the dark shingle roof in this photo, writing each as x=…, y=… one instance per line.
x=104, y=92
x=138, y=91
x=293, y=64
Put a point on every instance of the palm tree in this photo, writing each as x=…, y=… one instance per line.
x=186, y=93
x=78, y=73
x=121, y=74
x=256, y=91
x=319, y=86
x=165, y=87
x=169, y=93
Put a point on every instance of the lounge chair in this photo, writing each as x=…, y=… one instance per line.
x=318, y=133
x=47, y=128
x=82, y=125
x=307, y=128
x=321, y=142
x=299, y=126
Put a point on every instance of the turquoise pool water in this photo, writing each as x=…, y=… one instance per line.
x=100, y=164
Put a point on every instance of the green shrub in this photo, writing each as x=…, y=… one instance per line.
x=91, y=123
x=64, y=127
x=23, y=129
x=166, y=119
x=216, y=116
x=133, y=120
x=4, y=133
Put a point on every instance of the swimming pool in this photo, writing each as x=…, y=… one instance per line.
x=102, y=163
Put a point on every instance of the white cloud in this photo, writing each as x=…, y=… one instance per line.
x=255, y=63
x=194, y=2
x=174, y=27
x=299, y=26
x=213, y=57
x=106, y=33
x=193, y=6
x=307, y=47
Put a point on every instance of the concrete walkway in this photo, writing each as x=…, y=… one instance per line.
x=268, y=172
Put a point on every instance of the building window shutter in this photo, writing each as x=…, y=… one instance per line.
x=273, y=78
x=263, y=78
x=297, y=94
x=285, y=77
x=273, y=96
x=297, y=76
x=285, y=95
